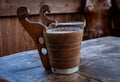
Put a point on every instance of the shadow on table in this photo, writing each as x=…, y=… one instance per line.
x=3, y=80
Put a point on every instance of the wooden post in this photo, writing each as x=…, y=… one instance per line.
x=115, y=10
x=98, y=18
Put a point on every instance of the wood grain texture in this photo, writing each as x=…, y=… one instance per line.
x=64, y=48
x=9, y=8
x=99, y=63
x=35, y=30
x=13, y=38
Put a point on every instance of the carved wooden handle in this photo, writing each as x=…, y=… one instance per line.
x=35, y=29
x=43, y=18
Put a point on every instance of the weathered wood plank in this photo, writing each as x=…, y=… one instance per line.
x=99, y=63
x=9, y=7
x=13, y=38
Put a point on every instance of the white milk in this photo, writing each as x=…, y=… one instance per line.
x=63, y=30
x=59, y=32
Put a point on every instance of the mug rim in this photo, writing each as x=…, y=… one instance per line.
x=63, y=30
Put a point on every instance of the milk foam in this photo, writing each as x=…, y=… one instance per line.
x=63, y=30
x=59, y=32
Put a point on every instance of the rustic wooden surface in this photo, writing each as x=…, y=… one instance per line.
x=9, y=8
x=99, y=63
x=13, y=38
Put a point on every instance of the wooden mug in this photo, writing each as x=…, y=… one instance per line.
x=63, y=46
x=59, y=48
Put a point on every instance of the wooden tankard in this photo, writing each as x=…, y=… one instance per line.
x=59, y=48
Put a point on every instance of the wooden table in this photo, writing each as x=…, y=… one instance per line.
x=100, y=62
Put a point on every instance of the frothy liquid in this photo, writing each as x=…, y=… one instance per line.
x=60, y=32
x=63, y=30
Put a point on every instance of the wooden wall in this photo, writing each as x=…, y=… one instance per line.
x=9, y=7
x=13, y=37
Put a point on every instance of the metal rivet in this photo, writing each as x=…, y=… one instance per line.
x=41, y=40
x=44, y=51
